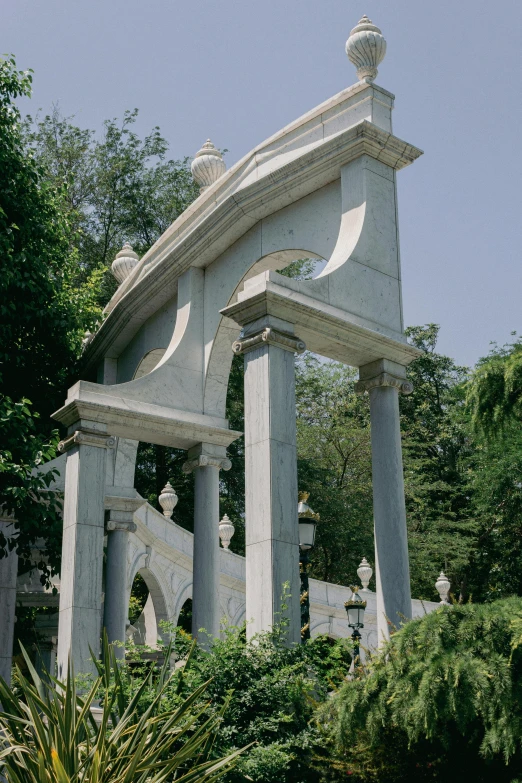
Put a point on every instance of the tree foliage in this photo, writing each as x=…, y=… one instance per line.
x=116, y=188
x=441, y=702
x=42, y=321
x=270, y=692
x=494, y=392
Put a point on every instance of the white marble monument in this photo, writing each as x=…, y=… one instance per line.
x=157, y=368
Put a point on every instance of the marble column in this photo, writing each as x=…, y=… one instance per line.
x=205, y=461
x=272, y=532
x=116, y=605
x=82, y=547
x=8, y=574
x=383, y=380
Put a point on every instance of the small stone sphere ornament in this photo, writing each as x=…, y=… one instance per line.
x=366, y=49
x=443, y=586
x=208, y=165
x=226, y=531
x=124, y=263
x=168, y=500
x=365, y=573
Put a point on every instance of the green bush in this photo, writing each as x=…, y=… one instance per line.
x=271, y=694
x=442, y=702
x=49, y=734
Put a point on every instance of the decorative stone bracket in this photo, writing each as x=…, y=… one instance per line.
x=271, y=336
x=87, y=438
x=204, y=460
x=384, y=379
x=120, y=524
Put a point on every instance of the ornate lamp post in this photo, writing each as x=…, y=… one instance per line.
x=308, y=520
x=355, y=610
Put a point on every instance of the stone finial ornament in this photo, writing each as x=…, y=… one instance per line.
x=124, y=263
x=366, y=48
x=208, y=165
x=168, y=500
x=443, y=585
x=365, y=573
x=226, y=531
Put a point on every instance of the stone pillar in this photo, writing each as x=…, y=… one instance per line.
x=384, y=380
x=82, y=547
x=116, y=604
x=46, y=626
x=8, y=574
x=205, y=462
x=272, y=532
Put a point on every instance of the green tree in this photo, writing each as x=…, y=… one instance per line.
x=117, y=188
x=436, y=450
x=441, y=702
x=334, y=466
x=494, y=393
x=42, y=321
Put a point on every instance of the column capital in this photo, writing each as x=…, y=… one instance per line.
x=206, y=460
x=270, y=336
x=383, y=372
x=383, y=379
x=87, y=438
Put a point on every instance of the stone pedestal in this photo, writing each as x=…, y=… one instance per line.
x=82, y=547
x=205, y=461
x=383, y=380
x=272, y=533
x=8, y=573
x=116, y=605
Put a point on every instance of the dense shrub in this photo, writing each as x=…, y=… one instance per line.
x=442, y=702
x=272, y=693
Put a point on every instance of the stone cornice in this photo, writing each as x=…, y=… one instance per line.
x=269, y=336
x=349, y=339
x=384, y=379
x=220, y=223
x=204, y=461
x=143, y=421
x=87, y=438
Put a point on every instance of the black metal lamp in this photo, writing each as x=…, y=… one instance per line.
x=355, y=608
x=307, y=524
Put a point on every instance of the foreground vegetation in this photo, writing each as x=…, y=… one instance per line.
x=50, y=733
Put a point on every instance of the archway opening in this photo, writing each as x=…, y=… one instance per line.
x=147, y=610
x=185, y=617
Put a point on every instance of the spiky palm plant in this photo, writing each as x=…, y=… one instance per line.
x=49, y=734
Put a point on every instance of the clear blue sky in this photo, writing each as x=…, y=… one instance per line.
x=240, y=71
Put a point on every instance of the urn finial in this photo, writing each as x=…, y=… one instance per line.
x=124, y=263
x=366, y=48
x=168, y=500
x=226, y=531
x=208, y=165
x=365, y=573
x=443, y=586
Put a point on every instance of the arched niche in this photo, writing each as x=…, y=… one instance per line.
x=154, y=612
